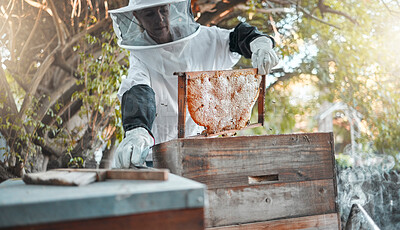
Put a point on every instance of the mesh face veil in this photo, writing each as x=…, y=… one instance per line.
x=153, y=23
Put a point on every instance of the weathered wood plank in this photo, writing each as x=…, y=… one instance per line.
x=197, y=74
x=182, y=91
x=60, y=178
x=141, y=174
x=261, y=101
x=100, y=173
x=317, y=222
x=233, y=161
x=229, y=206
x=167, y=220
x=78, y=177
x=167, y=155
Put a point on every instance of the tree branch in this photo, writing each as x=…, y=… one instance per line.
x=327, y=9
x=235, y=13
x=59, y=56
x=220, y=8
x=36, y=80
x=238, y=10
x=21, y=82
x=312, y=16
x=8, y=112
x=7, y=15
x=397, y=13
x=263, y=10
x=58, y=23
x=7, y=99
x=62, y=96
x=48, y=149
x=21, y=54
x=60, y=62
x=41, y=6
x=103, y=23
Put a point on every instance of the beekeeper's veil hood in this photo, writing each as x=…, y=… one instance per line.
x=153, y=23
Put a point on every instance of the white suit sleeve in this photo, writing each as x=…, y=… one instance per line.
x=225, y=58
x=138, y=74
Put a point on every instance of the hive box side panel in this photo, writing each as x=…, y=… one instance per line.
x=317, y=222
x=168, y=156
x=228, y=206
x=167, y=220
x=240, y=161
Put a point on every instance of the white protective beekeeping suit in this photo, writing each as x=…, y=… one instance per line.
x=191, y=47
x=194, y=48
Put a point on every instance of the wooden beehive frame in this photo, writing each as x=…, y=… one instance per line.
x=182, y=99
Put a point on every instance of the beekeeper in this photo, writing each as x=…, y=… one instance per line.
x=163, y=38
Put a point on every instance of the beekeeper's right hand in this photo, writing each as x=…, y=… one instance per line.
x=263, y=56
x=133, y=149
x=138, y=110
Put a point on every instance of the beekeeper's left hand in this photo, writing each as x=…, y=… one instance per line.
x=133, y=149
x=263, y=56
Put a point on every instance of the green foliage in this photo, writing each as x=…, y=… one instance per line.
x=100, y=70
x=286, y=108
x=28, y=138
x=101, y=76
x=354, y=63
x=344, y=161
x=76, y=162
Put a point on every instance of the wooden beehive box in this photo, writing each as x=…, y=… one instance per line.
x=114, y=204
x=260, y=182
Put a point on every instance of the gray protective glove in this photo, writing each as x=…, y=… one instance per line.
x=133, y=149
x=263, y=56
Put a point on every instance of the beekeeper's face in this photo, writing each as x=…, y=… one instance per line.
x=155, y=21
